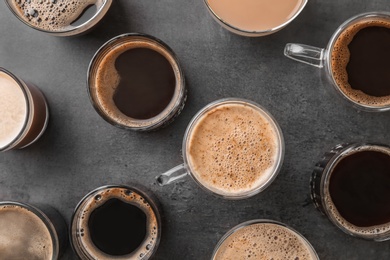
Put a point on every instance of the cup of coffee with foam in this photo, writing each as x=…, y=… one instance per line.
x=351, y=186
x=60, y=17
x=263, y=239
x=254, y=17
x=233, y=148
x=24, y=112
x=135, y=82
x=356, y=60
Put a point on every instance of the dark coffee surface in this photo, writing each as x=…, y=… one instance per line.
x=117, y=227
x=360, y=188
x=147, y=83
x=369, y=63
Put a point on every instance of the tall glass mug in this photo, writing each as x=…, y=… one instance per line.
x=351, y=186
x=263, y=239
x=356, y=60
x=60, y=18
x=24, y=112
x=233, y=148
x=253, y=17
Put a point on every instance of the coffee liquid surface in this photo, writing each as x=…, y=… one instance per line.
x=264, y=241
x=117, y=228
x=147, y=83
x=23, y=235
x=255, y=15
x=233, y=149
x=53, y=15
x=360, y=188
x=13, y=109
x=360, y=62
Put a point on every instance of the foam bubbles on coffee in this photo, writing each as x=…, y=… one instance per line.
x=264, y=241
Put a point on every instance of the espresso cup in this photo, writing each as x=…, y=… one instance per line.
x=252, y=17
x=263, y=239
x=350, y=185
x=24, y=112
x=232, y=148
x=355, y=62
x=60, y=18
x=135, y=82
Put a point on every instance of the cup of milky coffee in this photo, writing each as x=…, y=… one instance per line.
x=116, y=222
x=60, y=17
x=254, y=17
x=263, y=239
x=29, y=232
x=233, y=148
x=24, y=112
x=135, y=82
x=351, y=186
x=356, y=60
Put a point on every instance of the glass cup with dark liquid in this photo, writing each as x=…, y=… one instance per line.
x=351, y=186
x=116, y=222
x=24, y=112
x=135, y=82
x=60, y=17
x=356, y=61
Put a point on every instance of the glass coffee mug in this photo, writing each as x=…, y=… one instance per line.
x=233, y=148
x=351, y=186
x=355, y=62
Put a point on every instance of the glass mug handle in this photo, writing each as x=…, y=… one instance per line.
x=306, y=54
x=172, y=175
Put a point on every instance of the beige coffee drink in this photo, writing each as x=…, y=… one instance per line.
x=233, y=149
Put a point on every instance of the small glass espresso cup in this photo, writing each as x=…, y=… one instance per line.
x=255, y=142
x=30, y=232
x=103, y=67
x=24, y=112
x=350, y=184
x=330, y=58
x=41, y=15
x=252, y=237
x=224, y=18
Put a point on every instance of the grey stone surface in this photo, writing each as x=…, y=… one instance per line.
x=80, y=151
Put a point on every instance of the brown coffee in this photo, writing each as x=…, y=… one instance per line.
x=360, y=62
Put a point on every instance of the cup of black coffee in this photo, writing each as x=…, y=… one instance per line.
x=356, y=60
x=351, y=186
x=135, y=82
x=116, y=222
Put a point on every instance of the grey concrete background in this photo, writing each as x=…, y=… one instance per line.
x=80, y=151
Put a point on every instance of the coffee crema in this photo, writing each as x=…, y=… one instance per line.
x=23, y=235
x=264, y=241
x=360, y=62
x=233, y=149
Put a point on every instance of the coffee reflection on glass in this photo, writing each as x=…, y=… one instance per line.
x=24, y=112
x=135, y=82
x=60, y=18
x=356, y=60
x=263, y=239
x=232, y=148
x=116, y=222
x=29, y=232
x=351, y=186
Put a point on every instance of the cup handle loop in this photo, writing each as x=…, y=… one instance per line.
x=172, y=175
x=306, y=54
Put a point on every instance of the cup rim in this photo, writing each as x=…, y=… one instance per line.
x=260, y=221
x=281, y=145
x=244, y=32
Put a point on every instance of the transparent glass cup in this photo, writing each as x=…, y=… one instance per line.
x=76, y=28
x=234, y=29
x=322, y=58
x=232, y=231
x=36, y=114
x=182, y=170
